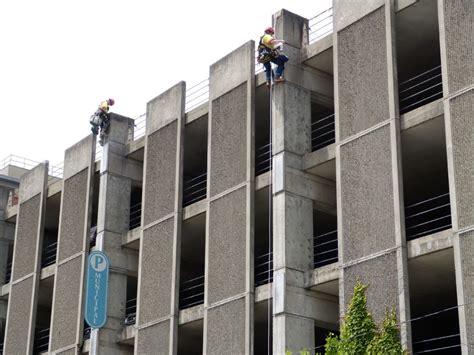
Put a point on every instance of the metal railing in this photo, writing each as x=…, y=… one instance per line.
x=130, y=312
x=8, y=272
x=48, y=256
x=420, y=89
x=25, y=163
x=197, y=95
x=41, y=341
x=323, y=132
x=140, y=126
x=191, y=292
x=325, y=249
x=320, y=25
x=263, y=273
x=194, y=189
x=87, y=331
x=428, y=216
x=135, y=220
x=263, y=159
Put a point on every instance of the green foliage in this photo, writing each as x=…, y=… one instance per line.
x=386, y=341
x=359, y=334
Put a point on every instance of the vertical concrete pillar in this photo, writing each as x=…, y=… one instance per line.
x=229, y=287
x=26, y=271
x=73, y=245
x=456, y=21
x=293, y=325
x=371, y=229
x=158, y=282
x=112, y=222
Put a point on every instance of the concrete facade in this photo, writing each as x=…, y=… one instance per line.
x=186, y=217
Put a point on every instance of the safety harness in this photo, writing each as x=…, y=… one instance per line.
x=265, y=54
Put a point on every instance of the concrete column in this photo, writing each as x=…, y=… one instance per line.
x=229, y=286
x=26, y=271
x=112, y=222
x=158, y=283
x=73, y=246
x=372, y=244
x=456, y=21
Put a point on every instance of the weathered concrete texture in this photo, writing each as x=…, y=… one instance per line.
x=226, y=246
x=119, y=129
x=26, y=238
x=291, y=27
x=292, y=333
x=366, y=190
x=79, y=156
x=19, y=312
x=160, y=173
x=73, y=214
x=228, y=155
x=33, y=182
x=291, y=120
x=233, y=70
x=347, y=12
x=153, y=340
x=67, y=352
x=115, y=192
x=466, y=246
x=67, y=295
x=165, y=108
x=292, y=216
x=459, y=38
x=462, y=133
x=381, y=275
x=226, y=328
x=156, y=267
x=362, y=72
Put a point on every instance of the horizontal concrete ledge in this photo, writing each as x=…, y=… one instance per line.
x=430, y=244
x=48, y=271
x=319, y=157
x=11, y=212
x=262, y=181
x=195, y=209
x=135, y=145
x=132, y=238
x=422, y=114
x=264, y=292
x=197, y=112
x=5, y=290
x=318, y=47
x=191, y=314
x=55, y=188
x=403, y=4
x=321, y=275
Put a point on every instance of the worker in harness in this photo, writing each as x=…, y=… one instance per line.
x=269, y=52
x=101, y=119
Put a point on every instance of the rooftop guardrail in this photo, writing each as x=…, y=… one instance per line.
x=320, y=25
x=325, y=249
x=263, y=269
x=191, y=292
x=41, y=340
x=28, y=164
x=323, y=132
x=263, y=159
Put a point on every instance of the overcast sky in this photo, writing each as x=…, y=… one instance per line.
x=60, y=58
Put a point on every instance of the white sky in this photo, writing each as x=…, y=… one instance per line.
x=60, y=58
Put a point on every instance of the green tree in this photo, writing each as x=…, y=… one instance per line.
x=387, y=341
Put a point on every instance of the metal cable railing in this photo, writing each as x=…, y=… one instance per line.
x=263, y=159
x=140, y=126
x=325, y=249
x=135, y=220
x=48, y=256
x=263, y=273
x=420, y=89
x=194, y=189
x=428, y=216
x=320, y=25
x=87, y=331
x=8, y=272
x=41, y=342
x=130, y=312
x=197, y=95
x=25, y=163
x=323, y=132
x=191, y=292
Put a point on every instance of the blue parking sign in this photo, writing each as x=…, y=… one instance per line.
x=96, y=289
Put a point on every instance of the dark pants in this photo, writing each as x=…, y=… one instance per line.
x=280, y=62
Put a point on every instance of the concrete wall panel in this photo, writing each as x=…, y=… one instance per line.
x=19, y=317
x=459, y=29
x=381, y=275
x=227, y=241
x=74, y=205
x=156, y=271
x=154, y=340
x=347, y=12
x=165, y=108
x=367, y=206
x=68, y=289
x=226, y=328
x=117, y=204
x=32, y=182
x=160, y=173
x=79, y=156
x=466, y=244
x=229, y=140
x=462, y=133
x=26, y=237
x=362, y=72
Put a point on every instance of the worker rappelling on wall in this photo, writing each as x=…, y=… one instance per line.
x=100, y=120
x=270, y=51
